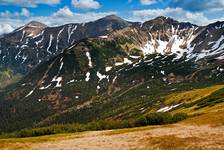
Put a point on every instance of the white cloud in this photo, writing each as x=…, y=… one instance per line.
x=86, y=4
x=177, y=13
x=5, y=28
x=198, y=5
x=147, y=2
x=63, y=12
x=24, y=13
x=29, y=3
x=63, y=16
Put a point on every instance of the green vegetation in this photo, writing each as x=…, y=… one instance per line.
x=197, y=101
x=191, y=95
x=215, y=98
x=7, y=77
x=149, y=119
x=127, y=92
x=160, y=119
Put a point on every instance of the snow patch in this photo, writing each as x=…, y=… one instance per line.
x=30, y=93
x=168, y=108
x=71, y=81
x=38, y=42
x=44, y=88
x=218, y=42
x=71, y=31
x=108, y=68
x=174, y=45
x=134, y=57
x=119, y=63
x=61, y=66
x=114, y=79
x=58, y=80
x=87, y=76
x=90, y=60
x=49, y=45
x=100, y=76
x=22, y=36
x=58, y=36
x=127, y=61
x=24, y=59
x=103, y=37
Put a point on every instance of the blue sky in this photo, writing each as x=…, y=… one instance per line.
x=15, y=13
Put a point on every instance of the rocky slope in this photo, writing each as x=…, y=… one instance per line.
x=124, y=74
x=27, y=46
x=164, y=35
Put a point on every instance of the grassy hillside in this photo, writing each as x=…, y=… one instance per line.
x=191, y=103
x=8, y=77
x=197, y=101
x=73, y=87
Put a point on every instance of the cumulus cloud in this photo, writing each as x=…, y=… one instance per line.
x=177, y=13
x=147, y=2
x=24, y=13
x=198, y=5
x=29, y=3
x=63, y=12
x=5, y=28
x=86, y=4
x=65, y=15
x=62, y=16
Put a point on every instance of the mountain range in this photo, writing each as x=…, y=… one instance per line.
x=29, y=45
x=109, y=68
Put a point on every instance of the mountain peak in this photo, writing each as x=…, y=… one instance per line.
x=36, y=24
x=112, y=17
x=218, y=24
x=162, y=22
x=163, y=19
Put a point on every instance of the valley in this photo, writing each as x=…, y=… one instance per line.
x=193, y=133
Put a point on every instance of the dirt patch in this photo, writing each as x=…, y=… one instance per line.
x=203, y=135
x=169, y=137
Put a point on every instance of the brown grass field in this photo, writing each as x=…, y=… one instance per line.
x=204, y=132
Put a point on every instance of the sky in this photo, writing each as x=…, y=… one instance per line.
x=16, y=13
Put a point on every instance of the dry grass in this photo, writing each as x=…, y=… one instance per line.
x=192, y=95
x=23, y=143
x=128, y=130
x=212, y=119
x=193, y=111
x=173, y=142
x=205, y=132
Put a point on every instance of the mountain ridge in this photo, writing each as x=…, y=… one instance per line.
x=28, y=49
